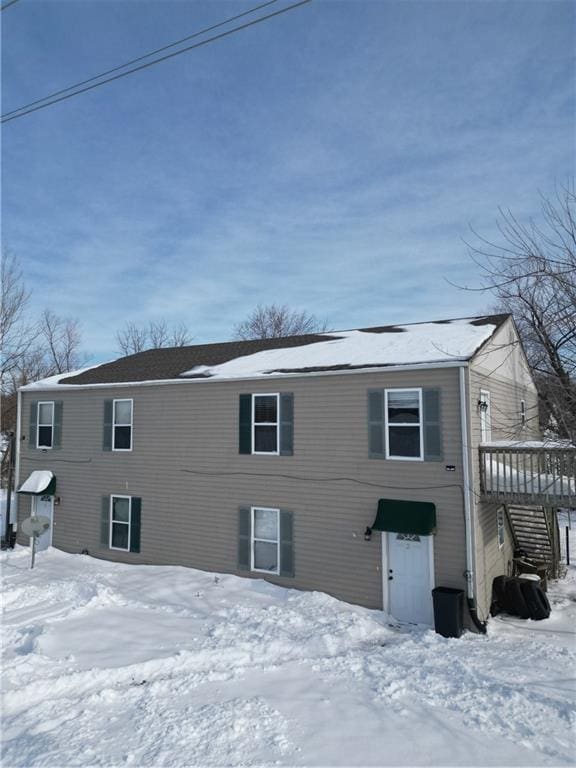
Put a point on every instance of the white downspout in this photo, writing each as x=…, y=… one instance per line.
x=17, y=466
x=469, y=532
x=468, y=504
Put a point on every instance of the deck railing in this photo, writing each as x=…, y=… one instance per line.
x=534, y=474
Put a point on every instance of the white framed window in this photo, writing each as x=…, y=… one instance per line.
x=120, y=522
x=403, y=420
x=265, y=543
x=45, y=426
x=500, y=526
x=265, y=424
x=122, y=425
x=522, y=413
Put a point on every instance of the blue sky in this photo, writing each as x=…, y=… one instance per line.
x=331, y=159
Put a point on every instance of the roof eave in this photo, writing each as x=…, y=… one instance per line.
x=456, y=363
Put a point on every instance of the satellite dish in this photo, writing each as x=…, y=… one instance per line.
x=35, y=526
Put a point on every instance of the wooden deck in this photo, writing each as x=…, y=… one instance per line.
x=529, y=473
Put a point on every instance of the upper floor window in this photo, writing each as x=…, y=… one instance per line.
x=522, y=413
x=405, y=424
x=266, y=424
x=403, y=415
x=45, y=428
x=122, y=425
x=265, y=429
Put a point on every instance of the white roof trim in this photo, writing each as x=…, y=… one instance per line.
x=42, y=387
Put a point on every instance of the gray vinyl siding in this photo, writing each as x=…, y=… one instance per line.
x=491, y=560
x=186, y=467
x=506, y=394
x=505, y=397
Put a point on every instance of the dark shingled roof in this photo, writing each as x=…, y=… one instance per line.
x=172, y=362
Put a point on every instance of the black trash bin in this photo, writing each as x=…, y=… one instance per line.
x=448, y=611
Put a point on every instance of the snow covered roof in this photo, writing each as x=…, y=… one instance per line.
x=423, y=344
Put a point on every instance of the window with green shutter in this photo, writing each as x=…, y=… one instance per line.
x=45, y=425
x=266, y=424
x=265, y=541
x=120, y=523
x=405, y=424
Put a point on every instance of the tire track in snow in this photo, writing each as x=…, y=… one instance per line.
x=457, y=678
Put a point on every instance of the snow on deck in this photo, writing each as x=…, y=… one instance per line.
x=410, y=344
x=500, y=476
x=107, y=664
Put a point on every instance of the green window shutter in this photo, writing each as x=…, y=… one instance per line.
x=286, y=543
x=135, y=522
x=107, y=436
x=432, y=425
x=286, y=424
x=244, y=536
x=57, y=431
x=376, y=442
x=32, y=435
x=245, y=424
x=105, y=523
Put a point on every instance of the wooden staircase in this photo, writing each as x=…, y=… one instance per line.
x=535, y=532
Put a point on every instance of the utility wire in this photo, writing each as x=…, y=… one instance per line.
x=140, y=58
x=27, y=109
x=7, y=5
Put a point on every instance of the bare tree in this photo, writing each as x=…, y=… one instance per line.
x=134, y=338
x=271, y=321
x=60, y=343
x=532, y=274
x=16, y=334
x=53, y=347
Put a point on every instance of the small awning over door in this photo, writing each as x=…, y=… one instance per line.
x=41, y=482
x=405, y=517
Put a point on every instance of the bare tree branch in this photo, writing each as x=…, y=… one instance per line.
x=133, y=338
x=16, y=334
x=532, y=274
x=272, y=321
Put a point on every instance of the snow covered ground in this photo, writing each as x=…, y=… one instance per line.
x=112, y=665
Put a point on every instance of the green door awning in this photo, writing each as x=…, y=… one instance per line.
x=41, y=482
x=405, y=517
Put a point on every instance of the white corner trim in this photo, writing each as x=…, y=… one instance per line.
x=468, y=489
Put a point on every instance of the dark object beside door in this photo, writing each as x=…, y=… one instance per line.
x=448, y=611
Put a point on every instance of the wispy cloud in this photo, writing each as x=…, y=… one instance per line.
x=332, y=162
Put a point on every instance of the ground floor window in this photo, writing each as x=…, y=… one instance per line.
x=120, y=522
x=265, y=544
x=500, y=525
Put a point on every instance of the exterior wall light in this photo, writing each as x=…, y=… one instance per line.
x=368, y=534
x=482, y=405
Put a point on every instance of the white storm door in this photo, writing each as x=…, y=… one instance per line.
x=44, y=505
x=410, y=578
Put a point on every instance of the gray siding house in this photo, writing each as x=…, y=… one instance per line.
x=346, y=462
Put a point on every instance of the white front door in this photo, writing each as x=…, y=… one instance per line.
x=44, y=505
x=410, y=577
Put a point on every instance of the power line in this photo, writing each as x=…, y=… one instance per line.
x=28, y=108
x=7, y=4
x=140, y=58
